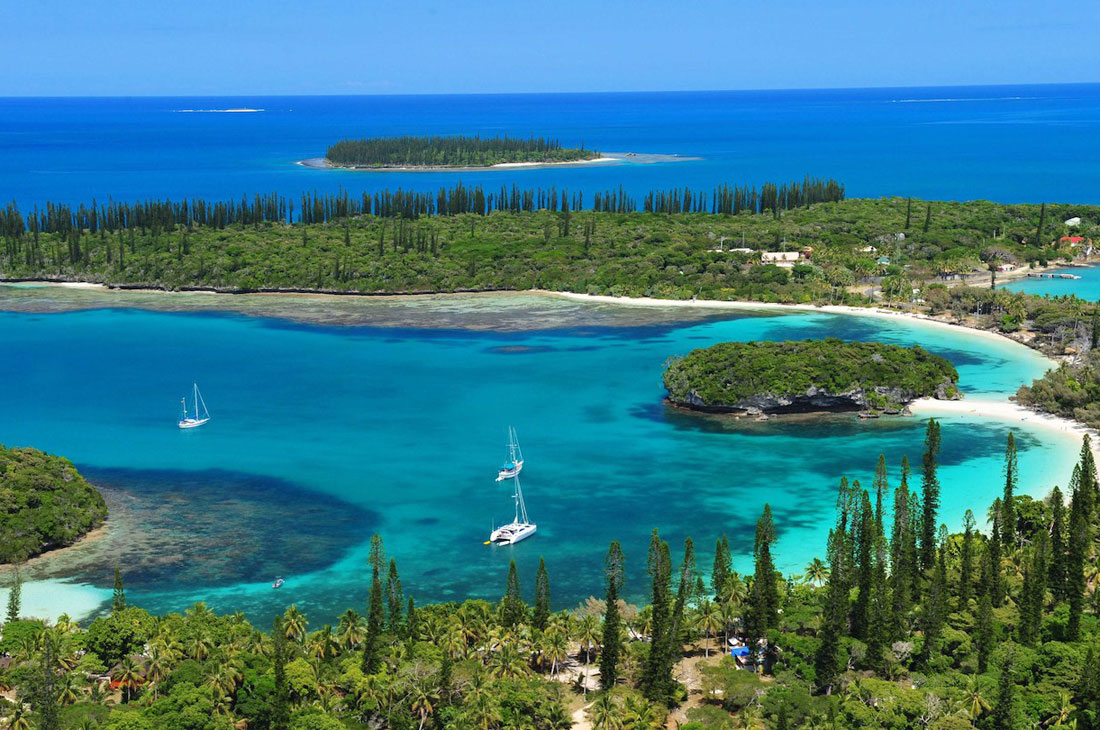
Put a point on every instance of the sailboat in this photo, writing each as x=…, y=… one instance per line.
x=521, y=527
x=514, y=465
x=202, y=415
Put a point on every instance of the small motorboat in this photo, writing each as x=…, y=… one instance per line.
x=278, y=583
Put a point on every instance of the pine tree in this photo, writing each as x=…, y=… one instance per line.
x=908, y=213
x=827, y=661
x=612, y=644
x=1004, y=711
x=1042, y=224
x=878, y=633
x=983, y=633
x=934, y=609
x=15, y=597
x=1032, y=593
x=1057, y=572
x=118, y=602
x=43, y=689
x=280, y=704
x=881, y=485
x=765, y=591
x=928, y=217
x=1087, y=694
x=395, y=599
x=902, y=558
x=412, y=625
x=1077, y=546
x=542, y=597
x=721, y=571
x=1008, y=502
x=930, y=501
x=683, y=596
x=654, y=682
x=966, y=561
x=865, y=539
x=513, y=612
x=375, y=609
x=992, y=571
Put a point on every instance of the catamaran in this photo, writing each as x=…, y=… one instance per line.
x=514, y=465
x=202, y=415
x=521, y=527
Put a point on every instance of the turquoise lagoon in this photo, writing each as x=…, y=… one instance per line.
x=322, y=435
x=1087, y=287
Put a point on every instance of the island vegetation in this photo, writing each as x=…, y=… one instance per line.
x=903, y=624
x=44, y=504
x=455, y=151
x=805, y=376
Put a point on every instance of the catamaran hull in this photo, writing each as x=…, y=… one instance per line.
x=192, y=423
x=511, y=534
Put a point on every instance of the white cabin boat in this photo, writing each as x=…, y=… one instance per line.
x=201, y=416
x=514, y=464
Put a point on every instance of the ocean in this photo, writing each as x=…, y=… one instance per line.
x=1004, y=143
x=324, y=433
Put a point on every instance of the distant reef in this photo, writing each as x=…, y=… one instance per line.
x=807, y=376
x=44, y=504
x=451, y=152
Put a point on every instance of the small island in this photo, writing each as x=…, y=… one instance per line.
x=44, y=504
x=440, y=153
x=808, y=376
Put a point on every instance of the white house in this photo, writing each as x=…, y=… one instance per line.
x=782, y=259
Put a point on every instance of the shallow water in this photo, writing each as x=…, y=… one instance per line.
x=1087, y=287
x=322, y=435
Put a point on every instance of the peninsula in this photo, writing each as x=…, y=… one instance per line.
x=47, y=504
x=461, y=152
x=807, y=376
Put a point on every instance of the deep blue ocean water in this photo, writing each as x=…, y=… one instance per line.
x=1006, y=143
x=323, y=435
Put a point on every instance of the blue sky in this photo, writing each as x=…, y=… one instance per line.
x=151, y=47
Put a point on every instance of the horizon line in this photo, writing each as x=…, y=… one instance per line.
x=222, y=95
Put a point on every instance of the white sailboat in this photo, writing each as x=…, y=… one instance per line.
x=514, y=465
x=521, y=527
x=202, y=415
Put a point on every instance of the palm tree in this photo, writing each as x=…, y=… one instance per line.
x=507, y=663
x=728, y=613
x=128, y=677
x=351, y=630
x=225, y=678
x=641, y=715
x=295, y=623
x=817, y=572
x=323, y=645
x=975, y=696
x=18, y=719
x=69, y=692
x=555, y=649
x=708, y=622
x=604, y=713
x=421, y=704
x=485, y=712
x=453, y=642
x=589, y=633
x=200, y=646
x=1062, y=714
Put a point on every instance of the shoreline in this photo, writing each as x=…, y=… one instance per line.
x=90, y=537
x=322, y=163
